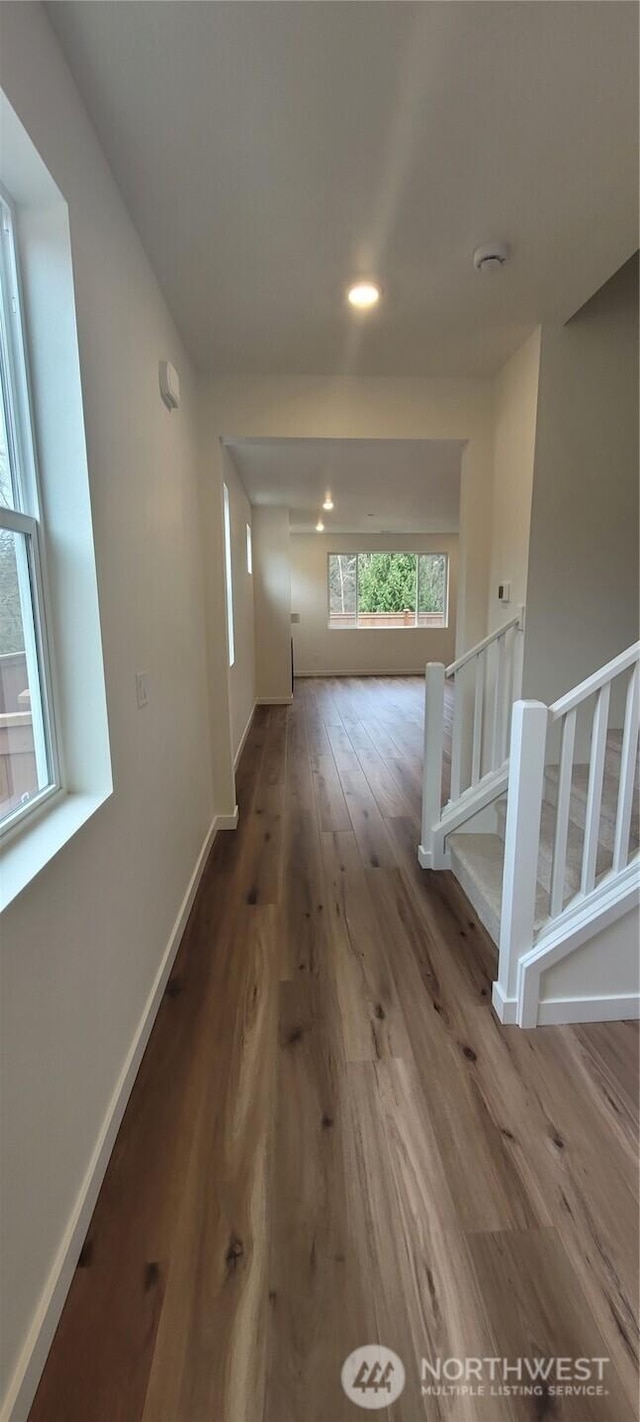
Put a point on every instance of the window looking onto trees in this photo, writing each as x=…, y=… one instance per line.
x=388, y=589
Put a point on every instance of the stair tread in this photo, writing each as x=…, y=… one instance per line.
x=483, y=855
x=481, y=858
x=579, y=792
x=575, y=846
x=614, y=745
x=580, y=784
x=478, y=858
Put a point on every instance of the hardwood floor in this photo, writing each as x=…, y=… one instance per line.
x=333, y=1142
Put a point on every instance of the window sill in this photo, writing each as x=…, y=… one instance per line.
x=28, y=853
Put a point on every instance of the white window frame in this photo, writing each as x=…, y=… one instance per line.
x=25, y=519
x=228, y=572
x=416, y=553
x=249, y=550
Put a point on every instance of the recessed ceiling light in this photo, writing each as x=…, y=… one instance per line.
x=363, y=294
x=328, y=503
x=319, y=526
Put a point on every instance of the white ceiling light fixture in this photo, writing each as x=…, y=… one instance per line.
x=328, y=503
x=491, y=257
x=363, y=295
x=319, y=526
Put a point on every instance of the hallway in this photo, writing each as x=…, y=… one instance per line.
x=332, y=1141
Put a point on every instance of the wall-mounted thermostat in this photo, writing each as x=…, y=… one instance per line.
x=504, y=592
x=169, y=384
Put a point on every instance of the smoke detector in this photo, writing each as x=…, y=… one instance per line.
x=491, y=257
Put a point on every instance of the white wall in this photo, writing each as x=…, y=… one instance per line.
x=582, y=589
x=383, y=408
x=242, y=678
x=606, y=966
x=272, y=588
x=81, y=946
x=319, y=649
x=516, y=401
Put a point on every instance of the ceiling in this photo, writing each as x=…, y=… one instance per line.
x=270, y=152
x=378, y=486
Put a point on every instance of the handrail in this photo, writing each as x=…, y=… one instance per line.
x=482, y=646
x=480, y=727
x=531, y=721
x=593, y=683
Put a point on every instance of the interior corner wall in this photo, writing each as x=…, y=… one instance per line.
x=242, y=675
x=83, y=946
x=582, y=586
x=320, y=650
x=516, y=403
x=272, y=594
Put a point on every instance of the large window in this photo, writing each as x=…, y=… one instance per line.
x=28, y=761
x=228, y=574
x=249, y=551
x=388, y=589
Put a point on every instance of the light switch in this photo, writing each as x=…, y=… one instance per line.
x=169, y=384
x=142, y=695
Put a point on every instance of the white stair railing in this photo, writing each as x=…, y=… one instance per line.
x=484, y=686
x=532, y=724
x=486, y=680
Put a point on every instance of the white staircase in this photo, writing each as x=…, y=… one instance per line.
x=545, y=844
x=486, y=681
x=477, y=860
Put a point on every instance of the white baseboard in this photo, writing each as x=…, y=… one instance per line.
x=505, y=1008
x=225, y=822
x=556, y=1010
x=379, y=671
x=274, y=700
x=428, y=860
x=22, y=1387
x=244, y=735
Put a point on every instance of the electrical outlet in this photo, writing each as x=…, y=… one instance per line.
x=142, y=695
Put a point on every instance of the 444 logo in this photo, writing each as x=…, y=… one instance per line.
x=373, y=1377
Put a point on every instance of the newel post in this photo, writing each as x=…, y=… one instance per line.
x=522, y=838
x=433, y=747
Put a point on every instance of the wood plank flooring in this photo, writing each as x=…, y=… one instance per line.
x=333, y=1142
